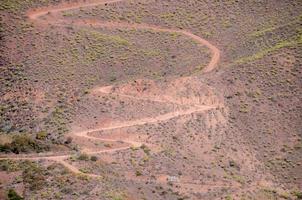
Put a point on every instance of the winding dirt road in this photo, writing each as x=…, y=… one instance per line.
x=36, y=17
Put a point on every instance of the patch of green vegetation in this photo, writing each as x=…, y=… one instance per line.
x=146, y=149
x=41, y=135
x=169, y=152
x=83, y=170
x=67, y=14
x=271, y=193
x=93, y=158
x=103, y=37
x=262, y=32
x=133, y=148
x=239, y=179
x=298, y=145
x=34, y=175
x=23, y=143
x=58, y=119
x=230, y=175
x=179, y=18
x=138, y=173
x=267, y=51
x=18, y=5
x=10, y=5
x=151, y=52
x=284, y=195
x=83, y=156
x=116, y=195
x=226, y=23
x=9, y=166
x=254, y=94
x=91, y=45
x=228, y=197
x=297, y=194
x=266, y=193
x=13, y=195
x=244, y=108
x=175, y=35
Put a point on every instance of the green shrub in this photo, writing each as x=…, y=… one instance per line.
x=5, y=148
x=83, y=156
x=94, y=158
x=13, y=195
x=116, y=195
x=298, y=194
x=146, y=149
x=41, y=135
x=23, y=143
x=138, y=173
x=228, y=197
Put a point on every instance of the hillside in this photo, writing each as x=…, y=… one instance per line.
x=149, y=99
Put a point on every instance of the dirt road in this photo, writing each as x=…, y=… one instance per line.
x=36, y=17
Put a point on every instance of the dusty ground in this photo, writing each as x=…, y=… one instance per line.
x=153, y=99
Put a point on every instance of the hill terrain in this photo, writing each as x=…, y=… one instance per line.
x=149, y=99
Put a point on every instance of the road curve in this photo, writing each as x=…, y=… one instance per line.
x=35, y=15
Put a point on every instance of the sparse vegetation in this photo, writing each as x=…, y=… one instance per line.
x=23, y=144
x=116, y=195
x=34, y=176
x=51, y=67
x=265, y=52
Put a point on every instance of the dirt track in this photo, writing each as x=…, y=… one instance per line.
x=36, y=17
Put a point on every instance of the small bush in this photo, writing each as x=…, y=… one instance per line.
x=22, y=143
x=13, y=195
x=228, y=197
x=116, y=195
x=41, y=135
x=83, y=156
x=138, y=173
x=5, y=148
x=145, y=149
x=298, y=194
x=94, y=158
